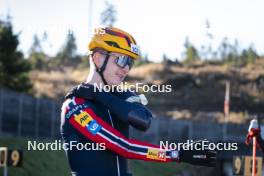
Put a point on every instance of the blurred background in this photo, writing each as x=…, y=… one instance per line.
x=210, y=52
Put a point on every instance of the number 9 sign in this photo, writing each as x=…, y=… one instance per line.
x=237, y=165
x=14, y=158
x=9, y=157
x=242, y=165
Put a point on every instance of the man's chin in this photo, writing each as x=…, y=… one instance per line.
x=117, y=82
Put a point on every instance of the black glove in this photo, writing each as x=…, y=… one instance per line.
x=198, y=157
x=201, y=157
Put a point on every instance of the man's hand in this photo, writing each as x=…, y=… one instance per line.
x=198, y=157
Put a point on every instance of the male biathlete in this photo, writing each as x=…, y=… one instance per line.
x=93, y=117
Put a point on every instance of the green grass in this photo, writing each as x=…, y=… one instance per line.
x=36, y=163
x=54, y=163
x=141, y=168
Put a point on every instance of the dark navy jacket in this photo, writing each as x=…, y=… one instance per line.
x=104, y=119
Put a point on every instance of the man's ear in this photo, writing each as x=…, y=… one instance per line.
x=97, y=59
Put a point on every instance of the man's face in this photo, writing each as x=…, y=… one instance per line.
x=114, y=74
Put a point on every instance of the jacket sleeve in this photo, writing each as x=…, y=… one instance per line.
x=91, y=126
x=134, y=114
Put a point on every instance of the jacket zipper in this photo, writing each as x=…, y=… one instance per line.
x=117, y=159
